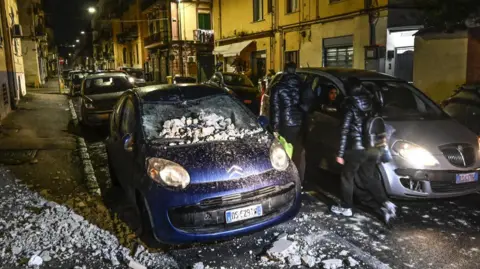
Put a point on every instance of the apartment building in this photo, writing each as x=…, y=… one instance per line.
x=262, y=35
x=180, y=38
x=34, y=41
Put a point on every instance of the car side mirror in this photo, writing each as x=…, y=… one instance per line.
x=128, y=143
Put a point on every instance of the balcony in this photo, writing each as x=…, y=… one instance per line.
x=40, y=30
x=203, y=36
x=128, y=35
x=159, y=38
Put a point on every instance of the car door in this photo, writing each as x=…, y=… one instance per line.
x=323, y=135
x=122, y=146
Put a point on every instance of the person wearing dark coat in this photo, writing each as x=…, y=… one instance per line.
x=287, y=114
x=359, y=163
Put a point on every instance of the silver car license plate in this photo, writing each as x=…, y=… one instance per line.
x=243, y=213
x=466, y=178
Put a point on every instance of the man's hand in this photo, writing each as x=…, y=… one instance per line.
x=340, y=160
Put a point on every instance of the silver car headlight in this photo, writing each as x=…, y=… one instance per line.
x=414, y=154
x=167, y=172
x=279, y=157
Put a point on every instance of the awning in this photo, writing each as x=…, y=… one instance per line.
x=232, y=49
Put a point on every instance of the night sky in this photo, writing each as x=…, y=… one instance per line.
x=68, y=18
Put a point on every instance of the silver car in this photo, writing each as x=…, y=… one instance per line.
x=434, y=156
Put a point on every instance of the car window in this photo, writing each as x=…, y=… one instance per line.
x=117, y=113
x=106, y=85
x=326, y=92
x=127, y=125
x=237, y=80
x=401, y=101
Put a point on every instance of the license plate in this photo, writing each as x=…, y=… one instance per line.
x=243, y=213
x=465, y=178
x=247, y=101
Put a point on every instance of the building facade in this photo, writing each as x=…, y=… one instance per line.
x=34, y=42
x=262, y=35
x=12, y=77
x=180, y=39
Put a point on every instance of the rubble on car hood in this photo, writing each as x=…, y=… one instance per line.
x=204, y=128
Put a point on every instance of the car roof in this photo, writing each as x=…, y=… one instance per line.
x=345, y=73
x=177, y=92
x=105, y=75
x=231, y=73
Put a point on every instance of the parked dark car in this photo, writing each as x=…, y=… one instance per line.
x=76, y=83
x=240, y=86
x=196, y=170
x=464, y=106
x=71, y=74
x=99, y=94
x=137, y=74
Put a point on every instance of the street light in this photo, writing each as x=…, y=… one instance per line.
x=78, y=40
x=82, y=32
x=91, y=10
x=69, y=54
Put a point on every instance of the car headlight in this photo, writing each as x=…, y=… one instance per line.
x=169, y=173
x=278, y=157
x=89, y=106
x=131, y=80
x=414, y=154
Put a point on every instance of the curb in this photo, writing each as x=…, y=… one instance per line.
x=88, y=171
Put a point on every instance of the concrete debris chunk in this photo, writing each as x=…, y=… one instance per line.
x=294, y=260
x=135, y=265
x=281, y=249
x=35, y=261
x=352, y=262
x=343, y=253
x=332, y=263
x=198, y=265
x=308, y=261
x=283, y=236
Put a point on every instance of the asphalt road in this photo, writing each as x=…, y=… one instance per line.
x=427, y=234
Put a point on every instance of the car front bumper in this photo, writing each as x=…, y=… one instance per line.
x=422, y=183
x=198, y=213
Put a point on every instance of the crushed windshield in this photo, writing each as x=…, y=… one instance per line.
x=237, y=80
x=198, y=120
x=402, y=101
x=106, y=85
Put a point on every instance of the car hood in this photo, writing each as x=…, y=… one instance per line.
x=218, y=161
x=105, y=101
x=431, y=134
x=244, y=92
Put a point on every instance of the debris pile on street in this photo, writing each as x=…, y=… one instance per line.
x=35, y=232
x=203, y=127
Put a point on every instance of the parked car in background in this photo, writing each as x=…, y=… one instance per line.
x=76, y=83
x=99, y=94
x=464, y=106
x=197, y=170
x=239, y=86
x=434, y=156
x=71, y=74
x=137, y=74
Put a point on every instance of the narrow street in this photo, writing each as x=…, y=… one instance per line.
x=39, y=149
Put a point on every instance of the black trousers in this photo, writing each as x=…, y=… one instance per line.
x=358, y=178
x=295, y=136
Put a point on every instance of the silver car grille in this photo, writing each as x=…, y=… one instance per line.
x=460, y=155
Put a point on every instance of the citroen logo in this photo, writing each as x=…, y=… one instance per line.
x=235, y=171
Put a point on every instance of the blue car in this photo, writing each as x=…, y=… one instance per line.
x=198, y=165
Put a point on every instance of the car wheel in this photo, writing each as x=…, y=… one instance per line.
x=145, y=230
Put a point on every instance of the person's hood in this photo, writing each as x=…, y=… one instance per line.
x=362, y=102
x=218, y=160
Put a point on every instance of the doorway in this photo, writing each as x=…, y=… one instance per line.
x=404, y=63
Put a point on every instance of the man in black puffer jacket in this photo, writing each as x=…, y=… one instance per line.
x=286, y=114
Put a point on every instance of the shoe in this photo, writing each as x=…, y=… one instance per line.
x=391, y=207
x=347, y=212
